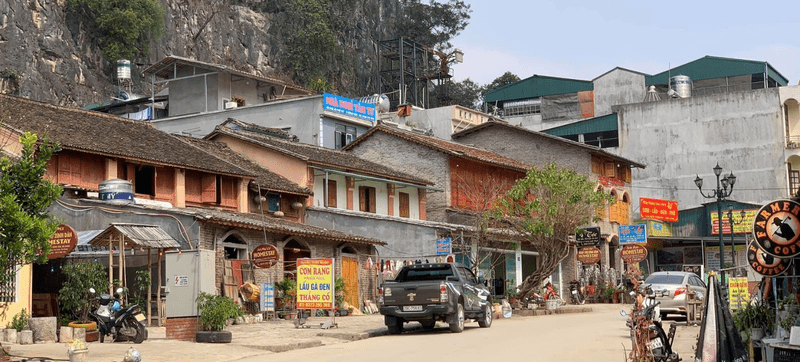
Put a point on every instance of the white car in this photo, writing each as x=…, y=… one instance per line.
x=676, y=284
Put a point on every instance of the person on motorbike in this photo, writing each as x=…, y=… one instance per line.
x=549, y=291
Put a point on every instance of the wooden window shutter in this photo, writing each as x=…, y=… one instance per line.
x=331, y=193
x=372, y=207
x=209, y=183
x=362, y=198
x=227, y=191
x=609, y=169
x=404, y=205
x=628, y=174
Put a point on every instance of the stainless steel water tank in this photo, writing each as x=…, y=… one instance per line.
x=116, y=191
x=123, y=69
x=682, y=85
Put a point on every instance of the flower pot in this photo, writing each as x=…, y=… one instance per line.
x=756, y=334
x=92, y=336
x=91, y=326
x=78, y=355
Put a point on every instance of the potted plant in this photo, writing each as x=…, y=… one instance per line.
x=608, y=294
x=788, y=315
x=73, y=297
x=341, y=295
x=288, y=289
x=17, y=324
x=754, y=320
x=215, y=312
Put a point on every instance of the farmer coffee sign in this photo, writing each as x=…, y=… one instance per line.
x=588, y=237
x=265, y=256
x=589, y=255
x=776, y=228
x=62, y=242
x=765, y=264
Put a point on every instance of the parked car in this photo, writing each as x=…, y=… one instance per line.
x=427, y=293
x=676, y=284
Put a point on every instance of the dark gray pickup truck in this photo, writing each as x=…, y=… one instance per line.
x=427, y=293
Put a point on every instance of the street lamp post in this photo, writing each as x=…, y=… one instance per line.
x=720, y=193
x=732, y=223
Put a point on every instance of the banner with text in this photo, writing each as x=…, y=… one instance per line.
x=315, y=284
x=633, y=234
x=741, y=225
x=348, y=107
x=739, y=295
x=666, y=210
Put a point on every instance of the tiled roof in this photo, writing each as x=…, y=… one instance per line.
x=447, y=147
x=266, y=179
x=316, y=155
x=108, y=135
x=271, y=224
x=591, y=149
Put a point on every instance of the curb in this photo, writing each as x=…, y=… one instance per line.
x=284, y=347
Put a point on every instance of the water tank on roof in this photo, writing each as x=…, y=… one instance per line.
x=381, y=101
x=116, y=191
x=680, y=86
x=123, y=69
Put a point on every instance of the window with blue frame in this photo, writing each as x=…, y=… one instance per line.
x=273, y=202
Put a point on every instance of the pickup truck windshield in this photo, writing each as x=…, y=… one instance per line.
x=410, y=275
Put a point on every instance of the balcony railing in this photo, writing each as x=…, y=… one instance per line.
x=793, y=142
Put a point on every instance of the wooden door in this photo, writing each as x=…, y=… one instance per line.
x=350, y=276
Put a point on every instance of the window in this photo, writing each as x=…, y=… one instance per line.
x=331, y=193
x=273, y=202
x=794, y=180
x=8, y=290
x=525, y=106
x=144, y=182
x=344, y=135
x=404, y=206
x=366, y=198
x=234, y=248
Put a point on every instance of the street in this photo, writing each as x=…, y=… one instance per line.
x=599, y=335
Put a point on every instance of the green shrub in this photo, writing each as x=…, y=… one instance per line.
x=73, y=297
x=20, y=320
x=215, y=310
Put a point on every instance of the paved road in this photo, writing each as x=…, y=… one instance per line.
x=597, y=336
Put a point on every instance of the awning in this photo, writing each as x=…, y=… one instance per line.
x=135, y=236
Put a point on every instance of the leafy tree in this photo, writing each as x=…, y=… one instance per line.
x=505, y=79
x=313, y=46
x=547, y=206
x=74, y=294
x=434, y=24
x=25, y=225
x=465, y=93
x=125, y=26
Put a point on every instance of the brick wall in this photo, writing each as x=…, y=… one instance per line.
x=182, y=329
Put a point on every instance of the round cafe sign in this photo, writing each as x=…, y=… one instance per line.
x=776, y=228
x=62, y=242
x=265, y=256
x=765, y=264
x=589, y=255
x=633, y=253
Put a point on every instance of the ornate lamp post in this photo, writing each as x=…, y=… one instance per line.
x=733, y=222
x=720, y=193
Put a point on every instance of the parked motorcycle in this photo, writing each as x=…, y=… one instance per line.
x=123, y=324
x=647, y=334
x=576, y=293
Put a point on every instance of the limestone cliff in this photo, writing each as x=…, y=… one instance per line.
x=57, y=61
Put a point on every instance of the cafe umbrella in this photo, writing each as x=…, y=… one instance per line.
x=719, y=340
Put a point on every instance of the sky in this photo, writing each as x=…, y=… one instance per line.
x=582, y=39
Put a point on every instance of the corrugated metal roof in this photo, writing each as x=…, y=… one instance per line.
x=135, y=236
x=709, y=67
x=537, y=86
x=591, y=125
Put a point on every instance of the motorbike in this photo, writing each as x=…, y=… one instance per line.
x=647, y=333
x=122, y=324
x=576, y=293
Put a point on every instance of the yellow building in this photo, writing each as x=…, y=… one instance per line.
x=16, y=297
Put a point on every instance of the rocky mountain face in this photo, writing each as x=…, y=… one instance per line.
x=49, y=54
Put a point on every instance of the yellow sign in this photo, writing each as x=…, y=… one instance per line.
x=739, y=294
x=315, y=284
x=740, y=225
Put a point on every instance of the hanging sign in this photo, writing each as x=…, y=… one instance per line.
x=665, y=210
x=444, y=246
x=765, y=264
x=267, y=297
x=62, y=242
x=588, y=236
x=633, y=253
x=777, y=228
x=589, y=255
x=315, y=284
x=265, y=256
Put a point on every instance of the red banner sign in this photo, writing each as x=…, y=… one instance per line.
x=589, y=255
x=62, y=242
x=633, y=253
x=664, y=210
x=265, y=256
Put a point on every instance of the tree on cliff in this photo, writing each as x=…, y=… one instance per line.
x=25, y=224
x=125, y=27
x=547, y=206
x=434, y=23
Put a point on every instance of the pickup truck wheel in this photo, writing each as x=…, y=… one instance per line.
x=396, y=327
x=486, y=318
x=457, y=319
